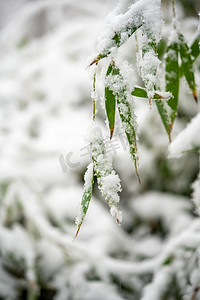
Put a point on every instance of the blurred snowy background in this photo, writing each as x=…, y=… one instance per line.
x=45, y=108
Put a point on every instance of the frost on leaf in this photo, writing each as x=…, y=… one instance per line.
x=148, y=37
x=87, y=194
x=124, y=25
x=107, y=179
x=172, y=73
x=120, y=89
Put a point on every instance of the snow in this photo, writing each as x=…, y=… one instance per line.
x=108, y=180
x=138, y=13
x=45, y=96
x=187, y=140
x=160, y=284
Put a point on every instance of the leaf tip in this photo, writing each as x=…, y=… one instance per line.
x=169, y=133
x=111, y=133
x=136, y=170
x=95, y=61
x=77, y=231
x=138, y=176
x=195, y=96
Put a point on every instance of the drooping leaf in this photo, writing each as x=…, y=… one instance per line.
x=161, y=48
x=107, y=179
x=187, y=64
x=164, y=117
x=110, y=104
x=149, y=62
x=132, y=20
x=87, y=194
x=117, y=40
x=126, y=116
x=195, y=48
x=172, y=77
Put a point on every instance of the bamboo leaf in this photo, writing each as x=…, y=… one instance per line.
x=117, y=40
x=126, y=115
x=187, y=64
x=164, y=117
x=127, y=118
x=149, y=62
x=107, y=179
x=87, y=194
x=110, y=104
x=172, y=77
x=132, y=20
x=195, y=48
x=139, y=92
x=142, y=93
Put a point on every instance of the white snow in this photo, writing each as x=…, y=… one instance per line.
x=187, y=140
x=45, y=98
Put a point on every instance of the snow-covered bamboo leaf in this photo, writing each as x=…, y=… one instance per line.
x=110, y=104
x=172, y=76
x=87, y=195
x=127, y=117
x=187, y=64
x=148, y=39
x=107, y=179
x=164, y=117
x=142, y=93
x=124, y=25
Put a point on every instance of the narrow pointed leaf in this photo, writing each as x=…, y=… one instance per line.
x=128, y=126
x=107, y=179
x=132, y=20
x=87, y=194
x=150, y=62
x=110, y=104
x=172, y=77
x=195, y=47
x=164, y=117
x=127, y=119
x=187, y=64
x=142, y=93
x=117, y=40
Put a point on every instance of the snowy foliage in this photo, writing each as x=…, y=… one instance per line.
x=45, y=111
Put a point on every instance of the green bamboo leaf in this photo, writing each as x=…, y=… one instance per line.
x=187, y=64
x=127, y=118
x=110, y=104
x=195, y=48
x=139, y=92
x=172, y=77
x=142, y=93
x=126, y=114
x=87, y=194
x=164, y=117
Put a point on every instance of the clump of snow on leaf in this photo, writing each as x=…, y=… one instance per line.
x=108, y=180
x=138, y=13
x=88, y=179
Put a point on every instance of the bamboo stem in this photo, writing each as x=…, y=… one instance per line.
x=93, y=98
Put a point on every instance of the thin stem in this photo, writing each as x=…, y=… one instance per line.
x=174, y=13
x=93, y=98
